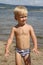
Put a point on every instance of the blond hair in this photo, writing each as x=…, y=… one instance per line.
x=20, y=10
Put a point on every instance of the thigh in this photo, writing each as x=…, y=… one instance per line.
x=18, y=58
x=27, y=59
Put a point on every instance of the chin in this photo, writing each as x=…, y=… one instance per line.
x=23, y=24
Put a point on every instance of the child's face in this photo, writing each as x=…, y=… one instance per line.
x=22, y=19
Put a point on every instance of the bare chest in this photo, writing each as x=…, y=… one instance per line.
x=22, y=31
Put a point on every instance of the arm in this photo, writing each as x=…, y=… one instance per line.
x=10, y=39
x=35, y=49
x=33, y=37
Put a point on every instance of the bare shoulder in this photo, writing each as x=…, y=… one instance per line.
x=14, y=28
x=30, y=27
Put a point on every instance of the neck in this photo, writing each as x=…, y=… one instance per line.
x=21, y=24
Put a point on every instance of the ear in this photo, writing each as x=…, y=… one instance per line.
x=15, y=17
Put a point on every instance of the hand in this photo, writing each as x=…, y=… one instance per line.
x=35, y=50
x=7, y=53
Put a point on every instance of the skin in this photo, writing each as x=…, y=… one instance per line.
x=22, y=33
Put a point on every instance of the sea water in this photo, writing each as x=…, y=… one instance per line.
x=7, y=21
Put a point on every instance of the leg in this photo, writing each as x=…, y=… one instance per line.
x=18, y=59
x=27, y=59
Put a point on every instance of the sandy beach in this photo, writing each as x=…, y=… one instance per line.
x=35, y=59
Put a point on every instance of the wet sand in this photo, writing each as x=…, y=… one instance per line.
x=35, y=59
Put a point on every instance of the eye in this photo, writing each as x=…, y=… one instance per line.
x=25, y=16
x=22, y=16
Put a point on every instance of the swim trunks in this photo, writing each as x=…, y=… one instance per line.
x=23, y=52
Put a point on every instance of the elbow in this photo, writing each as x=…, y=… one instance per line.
x=35, y=40
x=10, y=40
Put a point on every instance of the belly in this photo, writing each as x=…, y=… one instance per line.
x=23, y=42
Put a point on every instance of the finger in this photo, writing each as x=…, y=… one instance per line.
x=37, y=52
x=6, y=55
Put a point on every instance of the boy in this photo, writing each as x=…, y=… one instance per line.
x=22, y=32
